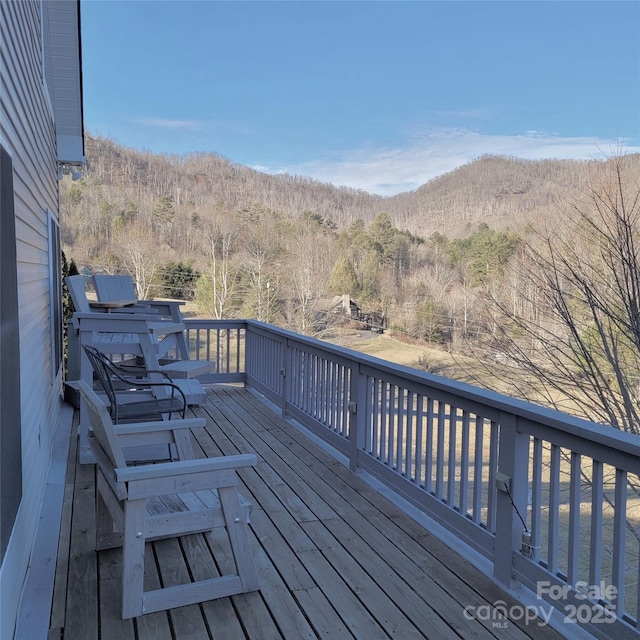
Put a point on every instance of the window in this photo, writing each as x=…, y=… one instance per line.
x=10, y=420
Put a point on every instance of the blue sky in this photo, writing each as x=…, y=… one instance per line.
x=380, y=96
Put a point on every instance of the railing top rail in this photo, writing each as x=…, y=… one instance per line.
x=204, y=323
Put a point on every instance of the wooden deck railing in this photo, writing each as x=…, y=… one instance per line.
x=551, y=500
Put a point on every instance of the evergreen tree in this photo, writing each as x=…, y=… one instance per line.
x=485, y=251
x=178, y=280
x=343, y=278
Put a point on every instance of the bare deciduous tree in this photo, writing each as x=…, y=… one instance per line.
x=141, y=256
x=219, y=244
x=582, y=276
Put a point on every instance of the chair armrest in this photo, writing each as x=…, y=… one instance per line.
x=138, y=319
x=167, y=304
x=136, y=308
x=170, y=308
x=139, y=371
x=130, y=378
x=185, y=467
x=165, y=327
x=158, y=425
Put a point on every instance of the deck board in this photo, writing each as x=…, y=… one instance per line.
x=335, y=558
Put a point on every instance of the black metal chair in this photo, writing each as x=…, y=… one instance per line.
x=122, y=383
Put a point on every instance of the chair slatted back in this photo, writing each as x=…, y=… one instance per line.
x=114, y=288
x=75, y=284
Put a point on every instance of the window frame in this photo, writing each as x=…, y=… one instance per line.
x=55, y=295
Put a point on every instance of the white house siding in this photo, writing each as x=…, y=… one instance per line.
x=27, y=132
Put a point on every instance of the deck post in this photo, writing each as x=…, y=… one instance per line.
x=357, y=414
x=511, y=501
x=85, y=454
x=285, y=383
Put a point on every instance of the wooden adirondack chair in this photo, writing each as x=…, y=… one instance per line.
x=139, y=503
x=81, y=304
x=166, y=327
x=112, y=287
x=119, y=287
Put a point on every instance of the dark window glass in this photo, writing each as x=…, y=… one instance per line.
x=10, y=422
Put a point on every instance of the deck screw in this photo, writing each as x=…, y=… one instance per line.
x=236, y=520
x=139, y=534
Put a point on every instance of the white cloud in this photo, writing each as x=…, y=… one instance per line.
x=388, y=171
x=165, y=123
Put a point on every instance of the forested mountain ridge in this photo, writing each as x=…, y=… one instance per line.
x=503, y=192
x=500, y=191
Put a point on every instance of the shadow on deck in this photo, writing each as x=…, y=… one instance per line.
x=336, y=559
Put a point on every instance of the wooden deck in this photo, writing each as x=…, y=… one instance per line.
x=336, y=559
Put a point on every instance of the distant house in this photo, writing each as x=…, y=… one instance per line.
x=343, y=307
x=327, y=310
x=41, y=140
x=338, y=305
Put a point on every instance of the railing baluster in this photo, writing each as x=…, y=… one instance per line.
x=478, y=469
x=218, y=355
x=375, y=418
x=491, y=485
x=452, y=464
x=312, y=391
x=391, y=416
x=440, y=452
x=319, y=396
x=419, y=441
x=238, y=348
x=337, y=395
x=369, y=415
x=574, y=519
x=336, y=402
x=464, y=465
x=597, y=501
x=401, y=430
x=384, y=420
x=428, y=455
x=344, y=398
x=326, y=373
x=406, y=431
x=619, y=535
x=316, y=388
x=321, y=399
x=554, y=508
x=306, y=380
x=536, y=497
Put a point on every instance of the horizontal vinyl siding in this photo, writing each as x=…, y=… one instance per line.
x=27, y=132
